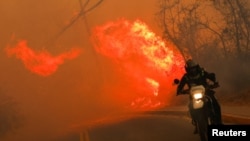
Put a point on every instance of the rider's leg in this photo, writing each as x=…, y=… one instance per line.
x=217, y=110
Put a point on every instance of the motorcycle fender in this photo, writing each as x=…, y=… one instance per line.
x=197, y=104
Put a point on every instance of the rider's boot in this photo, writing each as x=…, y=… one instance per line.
x=195, y=130
x=195, y=127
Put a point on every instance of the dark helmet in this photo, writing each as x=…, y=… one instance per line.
x=192, y=68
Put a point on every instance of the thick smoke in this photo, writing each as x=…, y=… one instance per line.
x=71, y=95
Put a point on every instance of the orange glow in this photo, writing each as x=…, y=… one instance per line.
x=154, y=85
x=41, y=63
x=147, y=63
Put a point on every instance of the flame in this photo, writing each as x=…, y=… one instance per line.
x=146, y=62
x=154, y=86
x=41, y=63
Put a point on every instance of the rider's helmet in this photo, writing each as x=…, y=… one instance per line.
x=192, y=68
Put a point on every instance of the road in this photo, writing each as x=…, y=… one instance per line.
x=140, y=128
x=172, y=124
x=146, y=128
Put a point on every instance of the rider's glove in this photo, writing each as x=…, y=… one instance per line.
x=216, y=84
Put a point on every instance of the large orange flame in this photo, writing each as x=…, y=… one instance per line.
x=144, y=59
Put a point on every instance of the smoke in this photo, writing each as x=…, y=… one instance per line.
x=78, y=90
x=10, y=118
x=142, y=73
x=231, y=85
x=232, y=73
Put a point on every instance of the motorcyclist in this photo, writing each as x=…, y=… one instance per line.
x=199, y=76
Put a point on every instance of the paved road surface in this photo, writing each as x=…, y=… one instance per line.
x=171, y=124
x=146, y=128
x=141, y=128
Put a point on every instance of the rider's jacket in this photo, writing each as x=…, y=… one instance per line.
x=201, y=78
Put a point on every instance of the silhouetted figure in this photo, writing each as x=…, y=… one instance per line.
x=196, y=75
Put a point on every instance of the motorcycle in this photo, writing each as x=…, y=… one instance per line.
x=201, y=108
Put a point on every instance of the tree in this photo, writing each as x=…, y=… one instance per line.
x=214, y=32
x=236, y=32
x=185, y=25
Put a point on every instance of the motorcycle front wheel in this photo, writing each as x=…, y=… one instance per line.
x=202, y=125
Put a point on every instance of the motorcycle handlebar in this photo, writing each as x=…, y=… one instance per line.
x=186, y=91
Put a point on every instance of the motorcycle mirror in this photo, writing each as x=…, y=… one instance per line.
x=176, y=81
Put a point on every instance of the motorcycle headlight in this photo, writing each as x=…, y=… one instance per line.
x=197, y=95
x=197, y=92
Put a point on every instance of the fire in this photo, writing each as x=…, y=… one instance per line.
x=145, y=60
x=144, y=64
x=154, y=85
x=41, y=63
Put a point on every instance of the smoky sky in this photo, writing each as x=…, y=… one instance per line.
x=48, y=105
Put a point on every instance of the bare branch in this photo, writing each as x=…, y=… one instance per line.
x=73, y=21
